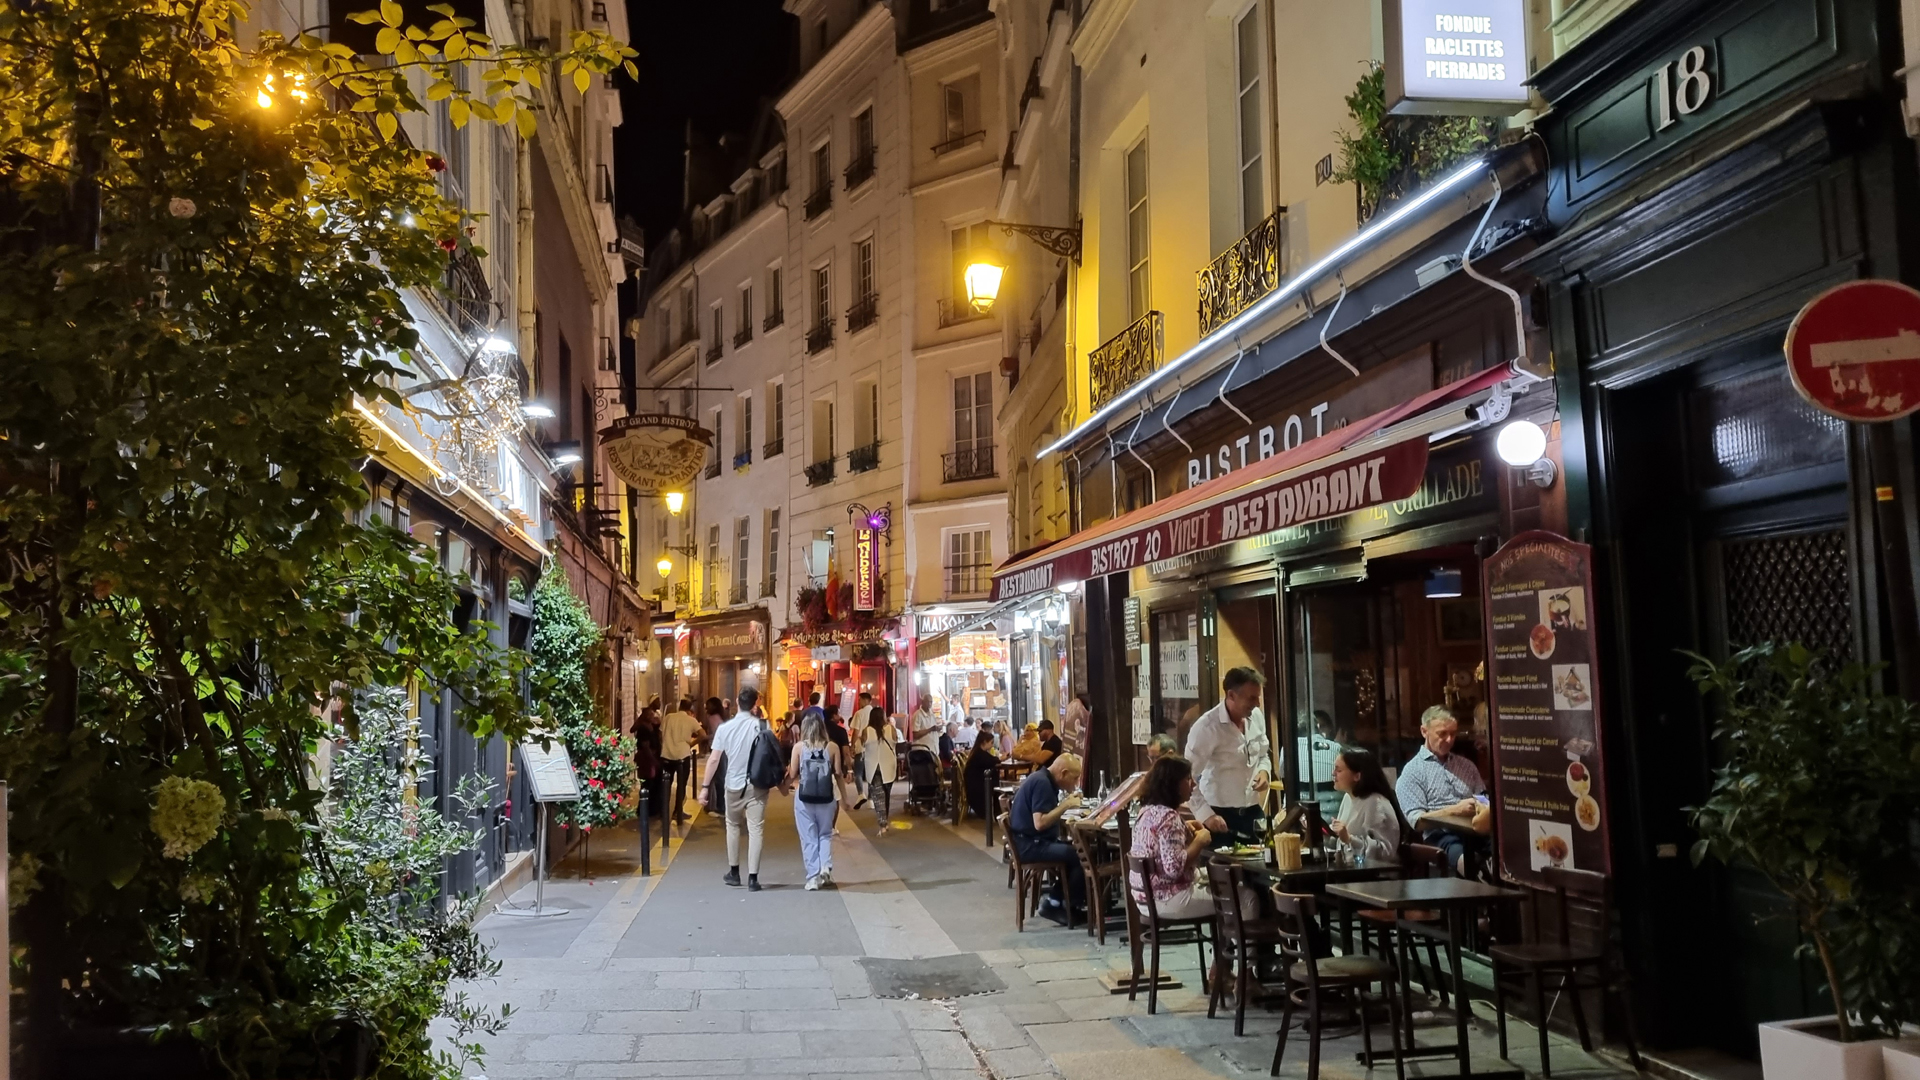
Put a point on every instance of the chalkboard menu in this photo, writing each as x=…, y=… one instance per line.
x=1548, y=785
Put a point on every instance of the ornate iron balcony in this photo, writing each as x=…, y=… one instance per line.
x=863, y=458
x=860, y=169
x=820, y=472
x=969, y=463
x=774, y=448
x=863, y=314
x=818, y=202
x=955, y=312
x=743, y=335
x=819, y=338
x=1126, y=358
x=713, y=352
x=1242, y=274
x=738, y=594
x=774, y=318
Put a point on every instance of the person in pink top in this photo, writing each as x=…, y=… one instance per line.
x=1176, y=846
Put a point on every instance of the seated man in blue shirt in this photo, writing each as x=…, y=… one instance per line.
x=1439, y=781
x=1033, y=824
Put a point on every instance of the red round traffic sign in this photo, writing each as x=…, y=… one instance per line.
x=1854, y=350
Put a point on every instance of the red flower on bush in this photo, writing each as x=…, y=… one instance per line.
x=449, y=244
x=436, y=163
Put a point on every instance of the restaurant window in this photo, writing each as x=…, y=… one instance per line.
x=973, y=411
x=969, y=562
x=771, y=556
x=1253, y=196
x=1176, y=666
x=1139, y=294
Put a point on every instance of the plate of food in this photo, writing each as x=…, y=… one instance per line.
x=1586, y=811
x=1552, y=844
x=1579, y=780
x=1238, y=851
x=1540, y=640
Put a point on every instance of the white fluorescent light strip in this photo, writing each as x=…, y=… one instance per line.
x=1273, y=299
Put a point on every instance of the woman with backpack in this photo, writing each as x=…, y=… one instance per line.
x=815, y=770
x=879, y=764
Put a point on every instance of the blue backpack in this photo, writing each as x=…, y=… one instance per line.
x=816, y=775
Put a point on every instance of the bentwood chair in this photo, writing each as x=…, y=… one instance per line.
x=1100, y=874
x=1318, y=978
x=1582, y=902
x=1239, y=940
x=1030, y=880
x=1418, y=860
x=1146, y=930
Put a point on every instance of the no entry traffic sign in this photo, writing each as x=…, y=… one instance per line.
x=1854, y=350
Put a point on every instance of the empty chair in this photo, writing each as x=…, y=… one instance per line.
x=1574, y=966
x=1320, y=979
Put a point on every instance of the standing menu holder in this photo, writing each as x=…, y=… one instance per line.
x=550, y=774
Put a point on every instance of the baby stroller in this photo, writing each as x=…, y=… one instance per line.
x=924, y=790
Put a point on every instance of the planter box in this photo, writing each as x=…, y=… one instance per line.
x=1804, y=1049
x=1901, y=1059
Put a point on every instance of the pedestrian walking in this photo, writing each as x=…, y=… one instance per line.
x=815, y=774
x=879, y=764
x=746, y=783
x=678, y=740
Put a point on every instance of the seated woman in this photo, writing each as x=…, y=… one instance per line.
x=1176, y=847
x=982, y=769
x=1369, y=822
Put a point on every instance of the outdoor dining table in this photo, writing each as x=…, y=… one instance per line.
x=999, y=792
x=1457, y=897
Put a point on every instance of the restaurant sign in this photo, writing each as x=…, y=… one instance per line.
x=656, y=452
x=1455, y=57
x=1548, y=777
x=734, y=638
x=1357, y=482
x=866, y=568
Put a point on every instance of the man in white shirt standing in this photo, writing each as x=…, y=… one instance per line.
x=1232, y=761
x=676, y=756
x=746, y=804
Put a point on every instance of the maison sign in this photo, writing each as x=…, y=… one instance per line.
x=1456, y=57
x=655, y=452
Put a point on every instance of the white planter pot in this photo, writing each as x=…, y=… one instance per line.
x=1792, y=1050
x=1901, y=1059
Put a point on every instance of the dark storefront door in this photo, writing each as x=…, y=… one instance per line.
x=1748, y=541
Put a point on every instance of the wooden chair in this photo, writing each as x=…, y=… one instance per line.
x=1318, y=979
x=1032, y=876
x=1099, y=874
x=1146, y=929
x=1237, y=941
x=1581, y=895
x=1418, y=860
x=957, y=786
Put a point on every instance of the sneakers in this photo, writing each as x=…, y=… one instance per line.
x=731, y=877
x=753, y=882
x=825, y=877
x=813, y=883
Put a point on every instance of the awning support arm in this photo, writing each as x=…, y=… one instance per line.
x=1240, y=351
x=1153, y=493
x=1466, y=264
x=1167, y=416
x=1328, y=325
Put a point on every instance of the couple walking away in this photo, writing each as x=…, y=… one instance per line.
x=746, y=766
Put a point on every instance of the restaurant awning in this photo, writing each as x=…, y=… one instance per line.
x=1374, y=461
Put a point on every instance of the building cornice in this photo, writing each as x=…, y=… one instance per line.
x=828, y=73
x=1098, y=30
x=985, y=169
x=941, y=50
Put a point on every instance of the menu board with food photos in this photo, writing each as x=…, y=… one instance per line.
x=1548, y=787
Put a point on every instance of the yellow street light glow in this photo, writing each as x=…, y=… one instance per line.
x=665, y=566
x=676, y=501
x=263, y=100
x=982, y=279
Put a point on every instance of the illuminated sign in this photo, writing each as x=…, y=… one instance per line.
x=866, y=568
x=655, y=452
x=1456, y=57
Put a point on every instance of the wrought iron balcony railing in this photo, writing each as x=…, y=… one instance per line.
x=737, y=594
x=1126, y=358
x=863, y=313
x=820, y=472
x=714, y=352
x=863, y=458
x=774, y=448
x=819, y=201
x=743, y=335
x=1242, y=274
x=967, y=463
x=958, y=142
x=465, y=296
x=713, y=469
x=774, y=318
x=954, y=312
x=819, y=338
x=860, y=169
x=769, y=587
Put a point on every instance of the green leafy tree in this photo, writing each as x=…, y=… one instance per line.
x=1386, y=156
x=203, y=245
x=565, y=644
x=1820, y=793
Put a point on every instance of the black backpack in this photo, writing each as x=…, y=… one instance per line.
x=766, y=767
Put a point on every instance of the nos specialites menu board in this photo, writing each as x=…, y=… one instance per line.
x=1546, y=728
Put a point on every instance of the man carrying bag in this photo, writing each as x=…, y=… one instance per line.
x=747, y=765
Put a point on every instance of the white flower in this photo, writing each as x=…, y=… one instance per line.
x=274, y=813
x=181, y=208
x=186, y=814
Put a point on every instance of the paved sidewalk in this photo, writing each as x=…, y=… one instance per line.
x=678, y=975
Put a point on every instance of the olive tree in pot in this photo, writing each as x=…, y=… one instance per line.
x=1820, y=792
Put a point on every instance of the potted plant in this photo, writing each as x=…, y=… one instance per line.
x=1818, y=793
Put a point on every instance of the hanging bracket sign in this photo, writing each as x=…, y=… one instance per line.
x=1547, y=769
x=655, y=452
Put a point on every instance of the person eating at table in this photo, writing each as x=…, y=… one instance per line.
x=1439, y=782
x=1159, y=745
x=983, y=768
x=1369, y=819
x=1034, y=822
x=1232, y=761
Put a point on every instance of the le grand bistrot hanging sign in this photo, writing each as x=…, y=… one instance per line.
x=656, y=452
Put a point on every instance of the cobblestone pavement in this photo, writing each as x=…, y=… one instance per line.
x=678, y=975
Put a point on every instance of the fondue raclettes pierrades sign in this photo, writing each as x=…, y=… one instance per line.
x=1208, y=519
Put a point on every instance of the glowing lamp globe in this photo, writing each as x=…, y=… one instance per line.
x=676, y=501
x=665, y=566
x=1521, y=443
x=982, y=279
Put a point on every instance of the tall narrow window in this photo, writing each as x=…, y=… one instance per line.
x=973, y=411
x=863, y=280
x=1253, y=190
x=771, y=554
x=823, y=168
x=742, y=539
x=776, y=418
x=819, y=39
x=822, y=297
x=719, y=419
x=713, y=345
x=776, y=298
x=823, y=442
x=1139, y=294
x=713, y=565
x=746, y=311
x=969, y=559
x=954, y=120
x=863, y=144
x=743, y=443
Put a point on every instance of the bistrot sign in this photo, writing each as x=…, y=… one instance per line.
x=1854, y=351
x=656, y=452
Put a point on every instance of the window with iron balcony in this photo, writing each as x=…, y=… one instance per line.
x=1242, y=274
x=774, y=318
x=818, y=202
x=863, y=458
x=967, y=463
x=737, y=594
x=819, y=338
x=863, y=314
x=714, y=352
x=820, y=472
x=954, y=312
x=743, y=335
x=1126, y=358
x=774, y=448
x=713, y=468
x=860, y=169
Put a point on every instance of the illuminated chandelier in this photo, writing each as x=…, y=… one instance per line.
x=476, y=412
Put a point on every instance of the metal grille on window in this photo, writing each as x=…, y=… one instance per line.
x=1790, y=588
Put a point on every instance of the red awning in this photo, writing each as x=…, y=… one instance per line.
x=1336, y=474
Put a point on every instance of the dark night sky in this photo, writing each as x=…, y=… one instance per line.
x=710, y=61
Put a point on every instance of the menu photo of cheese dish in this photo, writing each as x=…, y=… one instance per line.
x=1552, y=844
x=1572, y=686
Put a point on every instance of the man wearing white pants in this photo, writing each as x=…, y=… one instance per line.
x=746, y=804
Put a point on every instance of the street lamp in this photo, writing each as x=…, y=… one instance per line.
x=982, y=277
x=1523, y=445
x=676, y=501
x=983, y=273
x=665, y=566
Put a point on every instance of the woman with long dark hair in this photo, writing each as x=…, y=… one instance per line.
x=1369, y=822
x=1174, y=846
